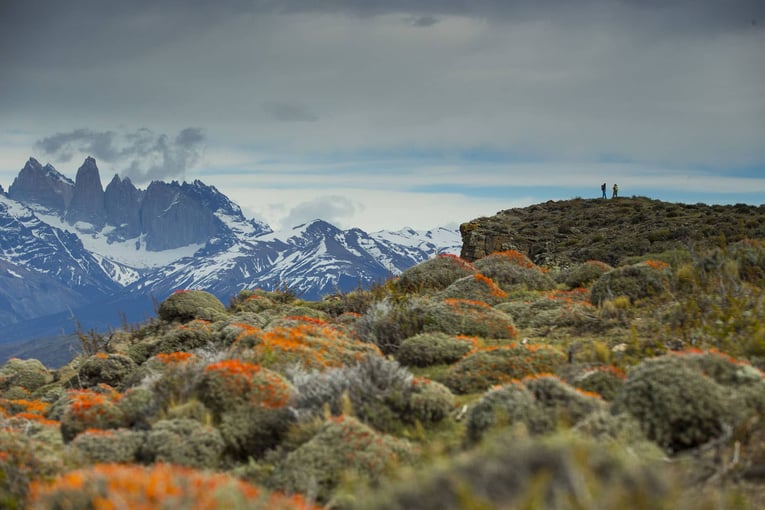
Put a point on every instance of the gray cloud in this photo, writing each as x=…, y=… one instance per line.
x=335, y=209
x=141, y=155
x=289, y=112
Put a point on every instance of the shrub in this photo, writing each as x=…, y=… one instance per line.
x=158, y=486
x=309, y=342
x=606, y=381
x=563, y=403
x=434, y=274
x=250, y=431
x=22, y=459
x=381, y=392
x=29, y=374
x=186, y=337
x=750, y=254
x=476, y=287
x=637, y=282
x=561, y=472
x=342, y=445
x=102, y=368
x=504, y=406
x=512, y=270
x=138, y=407
x=88, y=409
x=389, y=322
x=465, y=317
x=187, y=305
x=584, y=274
x=497, y=365
x=436, y=348
x=184, y=442
x=106, y=446
x=228, y=384
x=677, y=406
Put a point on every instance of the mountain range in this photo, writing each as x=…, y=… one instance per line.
x=75, y=252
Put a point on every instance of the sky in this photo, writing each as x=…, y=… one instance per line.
x=382, y=114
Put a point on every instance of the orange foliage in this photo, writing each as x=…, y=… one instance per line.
x=457, y=260
x=114, y=486
x=172, y=358
x=656, y=264
x=493, y=288
x=266, y=387
x=517, y=258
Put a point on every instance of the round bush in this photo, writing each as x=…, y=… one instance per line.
x=606, y=381
x=677, y=406
x=429, y=402
x=186, y=337
x=584, y=274
x=636, y=282
x=231, y=383
x=250, y=431
x=505, y=406
x=512, y=270
x=476, y=287
x=436, y=348
x=479, y=371
x=103, y=368
x=187, y=305
x=106, y=446
x=434, y=274
x=342, y=445
x=184, y=442
x=563, y=403
x=387, y=323
x=471, y=318
x=89, y=409
x=29, y=374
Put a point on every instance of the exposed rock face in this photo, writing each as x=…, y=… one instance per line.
x=42, y=185
x=122, y=203
x=88, y=200
x=171, y=217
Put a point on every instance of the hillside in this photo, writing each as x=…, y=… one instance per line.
x=559, y=233
x=491, y=383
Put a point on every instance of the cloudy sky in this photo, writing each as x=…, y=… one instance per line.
x=392, y=113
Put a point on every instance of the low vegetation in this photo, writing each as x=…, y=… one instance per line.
x=632, y=381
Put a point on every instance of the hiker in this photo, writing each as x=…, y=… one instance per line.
x=616, y=191
x=603, y=189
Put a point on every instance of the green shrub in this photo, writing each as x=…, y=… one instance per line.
x=186, y=337
x=750, y=255
x=138, y=407
x=187, y=305
x=584, y=274
x=476, y=287
x=560, y=472
x=106, y=446
x=342, y=445
x=387, y=323
x=479, y=371
x=471, y=318
x=434, y=274
x=101, y=368
x=250, y=431
x=88, y=409
x=430, y=402
x=436, y=348
x=228, y=384
x=512, y=270
x=23, y=459
x=636, y=282
x=184, y=442
x=563, y=403
x=29, y=374
x=677, y=406
x=504, y=406
x=606, y=381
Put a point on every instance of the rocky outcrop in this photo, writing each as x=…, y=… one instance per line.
x=560, y=233
x=172, y=218
x=42, y=185
x=87, y=203
x=122, y=202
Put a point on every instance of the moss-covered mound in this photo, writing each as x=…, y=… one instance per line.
x=187, y=305
x=434, y=274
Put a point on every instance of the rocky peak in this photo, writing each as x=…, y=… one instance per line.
x=122, y=204
x=173, y=216
x=44, y=186
x=87, y=203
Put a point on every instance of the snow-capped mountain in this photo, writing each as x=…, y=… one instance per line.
x=88, y=245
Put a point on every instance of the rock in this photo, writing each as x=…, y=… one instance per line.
x=42, y=185
x=87, y=203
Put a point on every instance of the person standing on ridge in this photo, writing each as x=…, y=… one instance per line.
x=603, y=189
x=616, y=191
